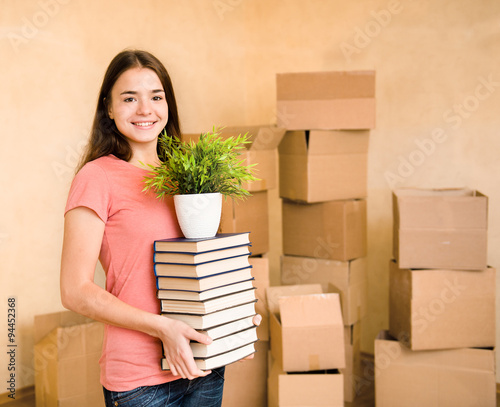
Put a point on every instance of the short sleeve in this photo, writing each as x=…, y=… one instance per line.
x=90, y=188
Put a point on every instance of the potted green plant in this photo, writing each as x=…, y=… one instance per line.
x=197, y=174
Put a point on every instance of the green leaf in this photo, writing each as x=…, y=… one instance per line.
x=212, y=164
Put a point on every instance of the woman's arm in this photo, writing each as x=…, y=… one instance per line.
x=83, y=233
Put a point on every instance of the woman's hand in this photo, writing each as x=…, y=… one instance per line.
x=175, y=336
x=257, y=319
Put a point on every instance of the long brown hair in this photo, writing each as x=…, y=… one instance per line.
x=105, y=138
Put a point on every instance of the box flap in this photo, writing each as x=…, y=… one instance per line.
x=274, y=293
x=311, y=310
x=436, y=192
x=347, y=278
x=439, y=208
x=74, y=341
x=293, y=143
x=325, y=142
x=44, y=324
x=325, y=85
x=260, y=137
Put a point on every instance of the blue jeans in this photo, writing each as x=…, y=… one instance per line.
x=200, y=392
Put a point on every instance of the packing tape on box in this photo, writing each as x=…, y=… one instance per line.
x=313, y=362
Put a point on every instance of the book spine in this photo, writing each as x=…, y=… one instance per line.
x=203, y=252
x=202, y=263
x=201, y=278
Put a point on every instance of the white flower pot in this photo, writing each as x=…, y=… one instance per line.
x=198, y=214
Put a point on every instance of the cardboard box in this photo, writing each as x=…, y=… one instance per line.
x=67, y=352
x=249, y=215
x=352, y=371
x=348, y=279
x=446, y=378
x=329, y=230
x=444, y=228
x=320, y=165
x=326, y=100
x=439, y=309
x=245, y=382
x=307, y=332
x=260, y=272
x=262, y=150
x=319, y=388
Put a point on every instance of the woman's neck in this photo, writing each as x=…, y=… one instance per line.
x=142, y=158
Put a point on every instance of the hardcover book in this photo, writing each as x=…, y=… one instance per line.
x=219, y=360
x=224, y=344
x=219, y=241
x=201, y=270
x=204, y=283
x=202, y=257
x=229, y=328
x=206, y=294
x=216, y=318
x=208, y=306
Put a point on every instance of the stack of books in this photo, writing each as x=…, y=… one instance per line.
x=207, y=283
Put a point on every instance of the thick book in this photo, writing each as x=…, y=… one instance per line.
x=201, y=270
x=207, y=306
x=229, y=328
x=219, y=360
x=219, y=241
x=202, y=257
x=204, y=283
x=216, y=318
x=224, y=344
x=206, y=294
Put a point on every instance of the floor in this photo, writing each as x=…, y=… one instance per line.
x=366, y=398
x=28, y=401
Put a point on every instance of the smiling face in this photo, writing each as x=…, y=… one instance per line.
x=138, y=107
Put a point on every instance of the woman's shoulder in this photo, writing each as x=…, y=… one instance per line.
x=98, y=167
x=105, y=163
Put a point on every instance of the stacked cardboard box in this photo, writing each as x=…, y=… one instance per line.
x=66, y=356
x=307, y=347
x=246, y=382
x=323, y=186
x=439, y=349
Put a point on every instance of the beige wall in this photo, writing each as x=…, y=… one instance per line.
x=431, y=59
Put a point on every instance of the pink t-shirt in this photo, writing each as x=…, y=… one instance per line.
x=112, y=188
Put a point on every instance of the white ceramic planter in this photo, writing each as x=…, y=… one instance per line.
x=198, y=214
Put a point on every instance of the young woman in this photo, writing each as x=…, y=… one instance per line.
x=108, y=218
